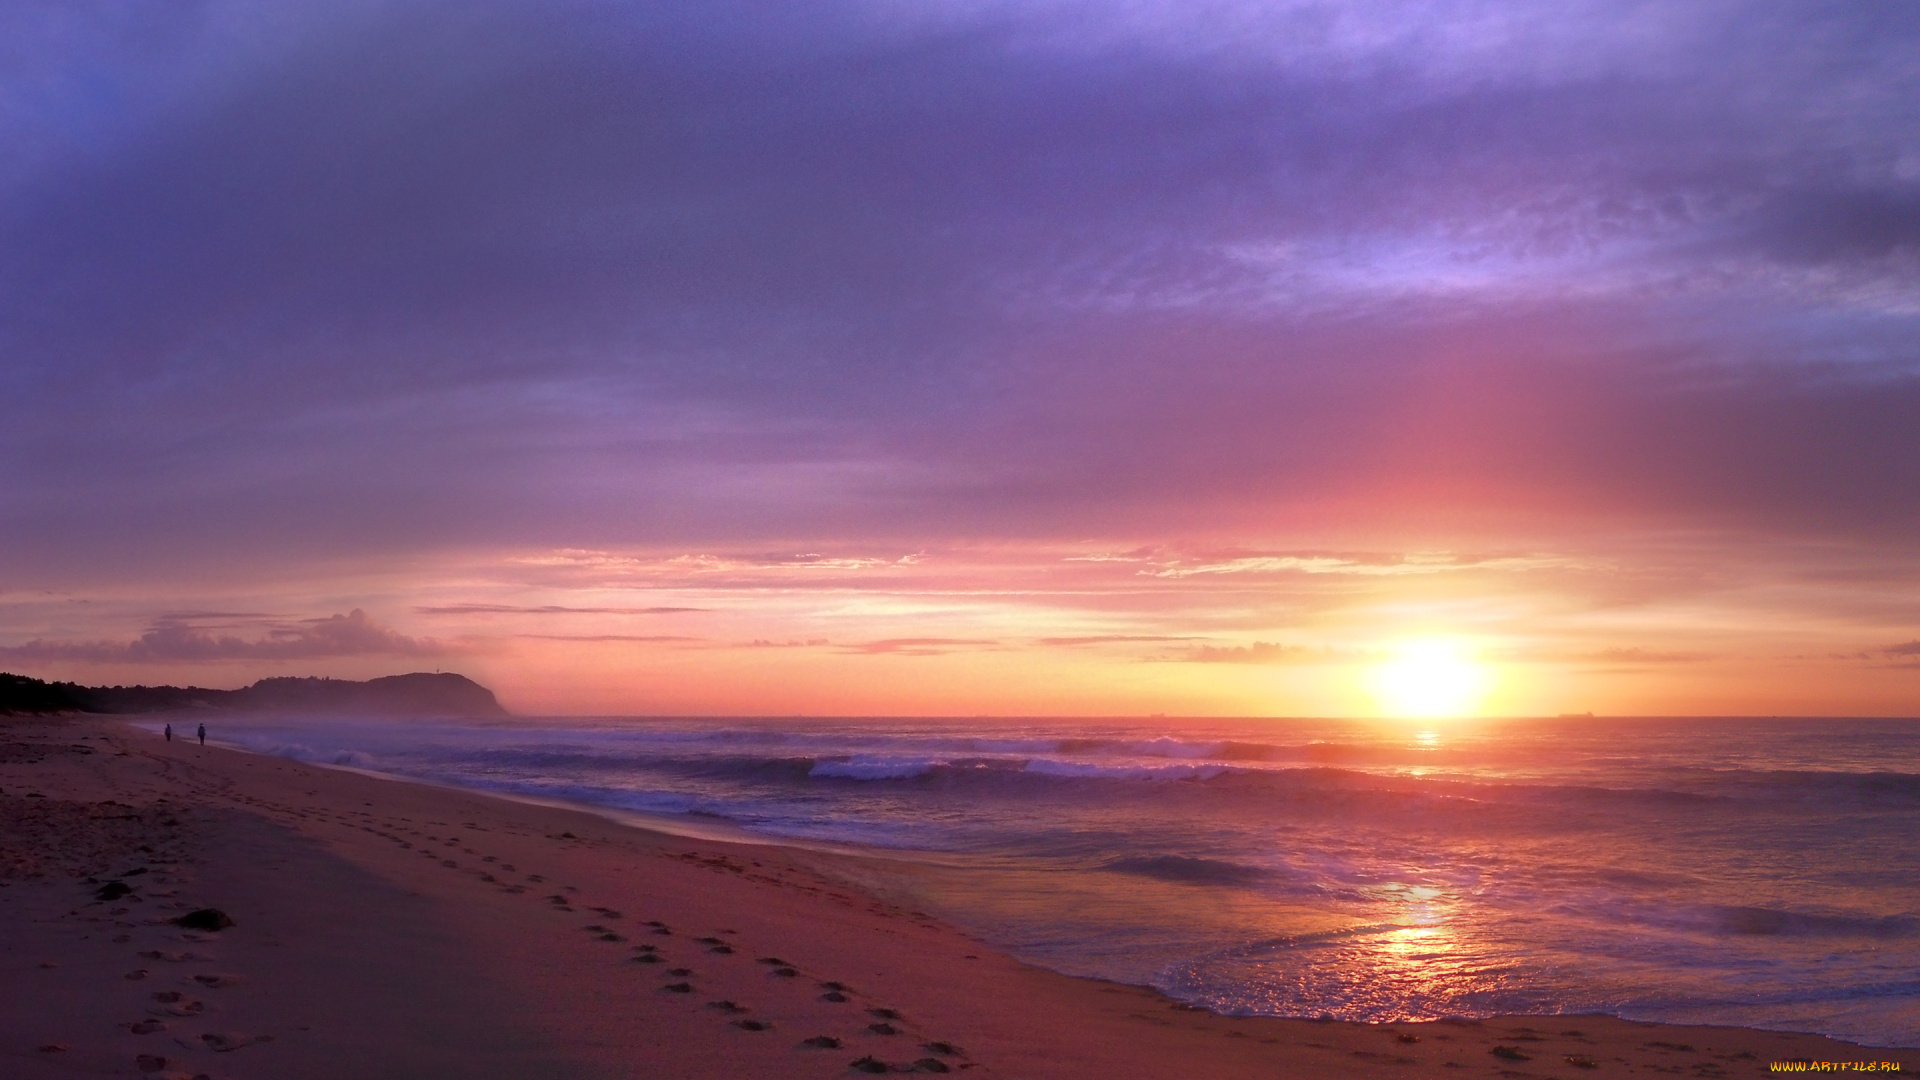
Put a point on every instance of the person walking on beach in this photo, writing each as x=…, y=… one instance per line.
x=203, y=734
x=169, y=732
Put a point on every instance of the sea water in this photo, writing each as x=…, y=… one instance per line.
x=1763, y=873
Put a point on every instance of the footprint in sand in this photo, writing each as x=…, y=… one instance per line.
x=184, y=1008
x=226, y=1042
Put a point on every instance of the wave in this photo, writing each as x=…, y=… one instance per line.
x=1773, y=922
x=874, y=768
x=1232, y=770
x=1187, y=869
x=1083, y=770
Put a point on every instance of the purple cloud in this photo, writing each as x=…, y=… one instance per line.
x=329, y=283
x=352, y=634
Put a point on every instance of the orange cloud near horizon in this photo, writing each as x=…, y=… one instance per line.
x=1037, y=629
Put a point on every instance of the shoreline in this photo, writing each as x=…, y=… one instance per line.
x=387, y=926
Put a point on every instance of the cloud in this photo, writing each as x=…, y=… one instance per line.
x=352, y=634
x=1910, y=648
x=1110, y=639
x=920, y=646
x=547, y=609
x=1367, y=566
x=1631, y=654
x=1635, y=655
x=611, y=637
x=555, y=273
x=1260, y=652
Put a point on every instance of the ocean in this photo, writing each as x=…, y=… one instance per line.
x=1758, y=872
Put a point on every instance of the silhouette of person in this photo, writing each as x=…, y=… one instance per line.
x=203, y=734
x=169, y=732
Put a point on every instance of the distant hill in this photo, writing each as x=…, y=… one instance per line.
x=417, y=694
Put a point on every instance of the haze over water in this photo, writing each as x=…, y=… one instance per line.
x=1752, y=872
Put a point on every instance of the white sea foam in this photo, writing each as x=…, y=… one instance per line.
x=875, y=768
x=1088, y=769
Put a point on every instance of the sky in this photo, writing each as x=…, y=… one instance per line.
x=957, y=357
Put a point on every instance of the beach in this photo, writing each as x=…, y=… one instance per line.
x=391, y=929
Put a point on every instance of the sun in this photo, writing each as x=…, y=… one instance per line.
x=1430, y=678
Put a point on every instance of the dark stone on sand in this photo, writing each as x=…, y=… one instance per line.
x=931, y=1065
x=883, y=1029
x=113, y=890
x=148, y=1063
x=946, y=1048
x=648, y=958
x=774, y=960
x=833, y=986
x=785, y=973
x=680, y=972
x=822, y=1042
x=611, y=937
x=678, y=988
x=709, y=941
x=1509, y=1053
x=204, y=919
x=753, y=1025
x=727, y=1006
x=146, y=1027
x=723, y=950
x=833, y=995
x=870, y=1064
x=885, y=1014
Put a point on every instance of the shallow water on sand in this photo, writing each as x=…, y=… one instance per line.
x=1754, y=872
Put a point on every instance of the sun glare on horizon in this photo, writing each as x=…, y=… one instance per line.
x=1432, y=678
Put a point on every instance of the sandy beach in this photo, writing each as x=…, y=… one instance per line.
x=389, y=929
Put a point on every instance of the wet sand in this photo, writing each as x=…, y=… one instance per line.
x=386, y=929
